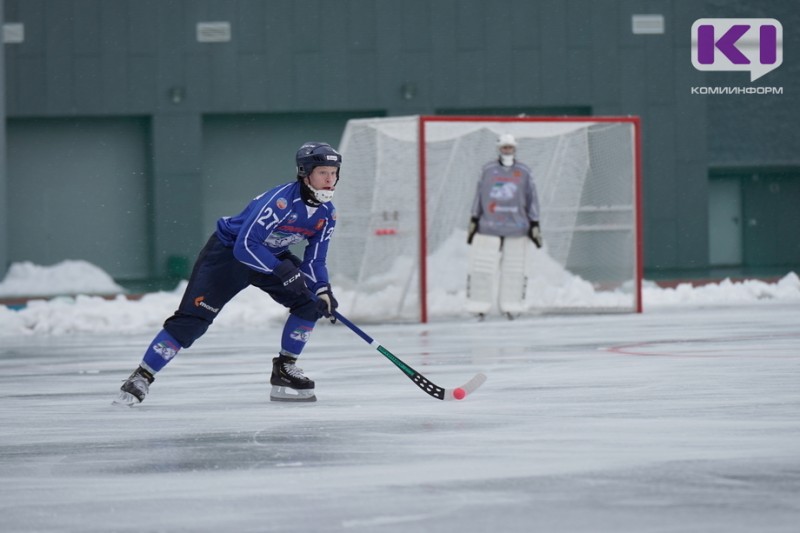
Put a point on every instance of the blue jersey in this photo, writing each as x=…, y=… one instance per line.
x=271, y=223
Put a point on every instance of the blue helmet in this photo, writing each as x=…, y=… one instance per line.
x=313, y=154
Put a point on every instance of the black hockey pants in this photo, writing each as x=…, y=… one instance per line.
x=216, y=278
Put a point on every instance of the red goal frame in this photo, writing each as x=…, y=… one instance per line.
x=637, y=160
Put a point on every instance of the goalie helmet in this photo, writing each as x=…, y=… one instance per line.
x=504, y=140
x=310, y=156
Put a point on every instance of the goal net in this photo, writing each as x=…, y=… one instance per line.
x=400, y=248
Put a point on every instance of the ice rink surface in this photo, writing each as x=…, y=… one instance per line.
x=673, y=420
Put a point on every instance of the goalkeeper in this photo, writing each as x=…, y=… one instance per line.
x=505, y=214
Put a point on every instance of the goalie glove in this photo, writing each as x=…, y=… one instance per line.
x=326, y=303
x=473, y=229
x=535, y=234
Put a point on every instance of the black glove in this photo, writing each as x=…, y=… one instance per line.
x=473, y=229
x=535, y=234
x=326, y=302
x=292, y=278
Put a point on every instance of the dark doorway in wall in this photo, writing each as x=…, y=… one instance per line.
x=78, y=189
x=766, y=200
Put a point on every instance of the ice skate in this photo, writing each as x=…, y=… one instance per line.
x=135, y=388
x=289, y=384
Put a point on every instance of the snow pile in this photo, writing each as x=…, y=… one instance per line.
x=253, y=310
x=68, y=277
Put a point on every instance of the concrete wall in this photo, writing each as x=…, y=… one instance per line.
x=132, y=58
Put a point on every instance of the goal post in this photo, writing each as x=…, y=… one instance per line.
x=407, y=187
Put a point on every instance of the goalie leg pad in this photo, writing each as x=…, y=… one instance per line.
x=484, y=256
x=513, y=281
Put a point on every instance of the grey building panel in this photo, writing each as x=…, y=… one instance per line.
x=125, y=57
x=625, y=9
x=280, y=87
x=198, y=90
x=248, y=27
x=28, y=90
x=659, y=69
x=113, y=84
x=59, y=50
x=87, y=81
x=500, y=64
x=175, y=28
x=253, y=81
x=470, y=18
x=471, y=79
x=31, y=14
x=580, y=25
x=632, y=84
x=113, y=30
x=142, y=90
x=143, y=31
x=177, y=219
x=691, y=216
x=86, y=24
x=691, y=136
x=416, y=28
x=525, y=19
x=660, y=242
x=362, y=25
x=280, y=28
x=309, y=28
x=305, y=83
x=554, y=53
x=362, y=80
x=330, y=73
x=581, y=88
x=223, y=76
x=179, y=136
x=527, y=78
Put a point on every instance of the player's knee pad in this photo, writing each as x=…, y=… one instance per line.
x=186, y=328
x=307, y=311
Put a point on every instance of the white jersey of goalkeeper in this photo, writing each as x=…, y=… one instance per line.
x=506, y=201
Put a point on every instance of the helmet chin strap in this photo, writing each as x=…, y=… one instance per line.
x=322, y=195
x=506, y=159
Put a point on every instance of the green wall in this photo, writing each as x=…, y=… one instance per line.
x=299, y=69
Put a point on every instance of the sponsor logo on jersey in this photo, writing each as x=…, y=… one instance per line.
x=292, y=218
x=281, y=203
x=280, y=239
x=320, y=224
x=503, y=191
x=198, y=302
x=494, y=208
x=295, y=229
